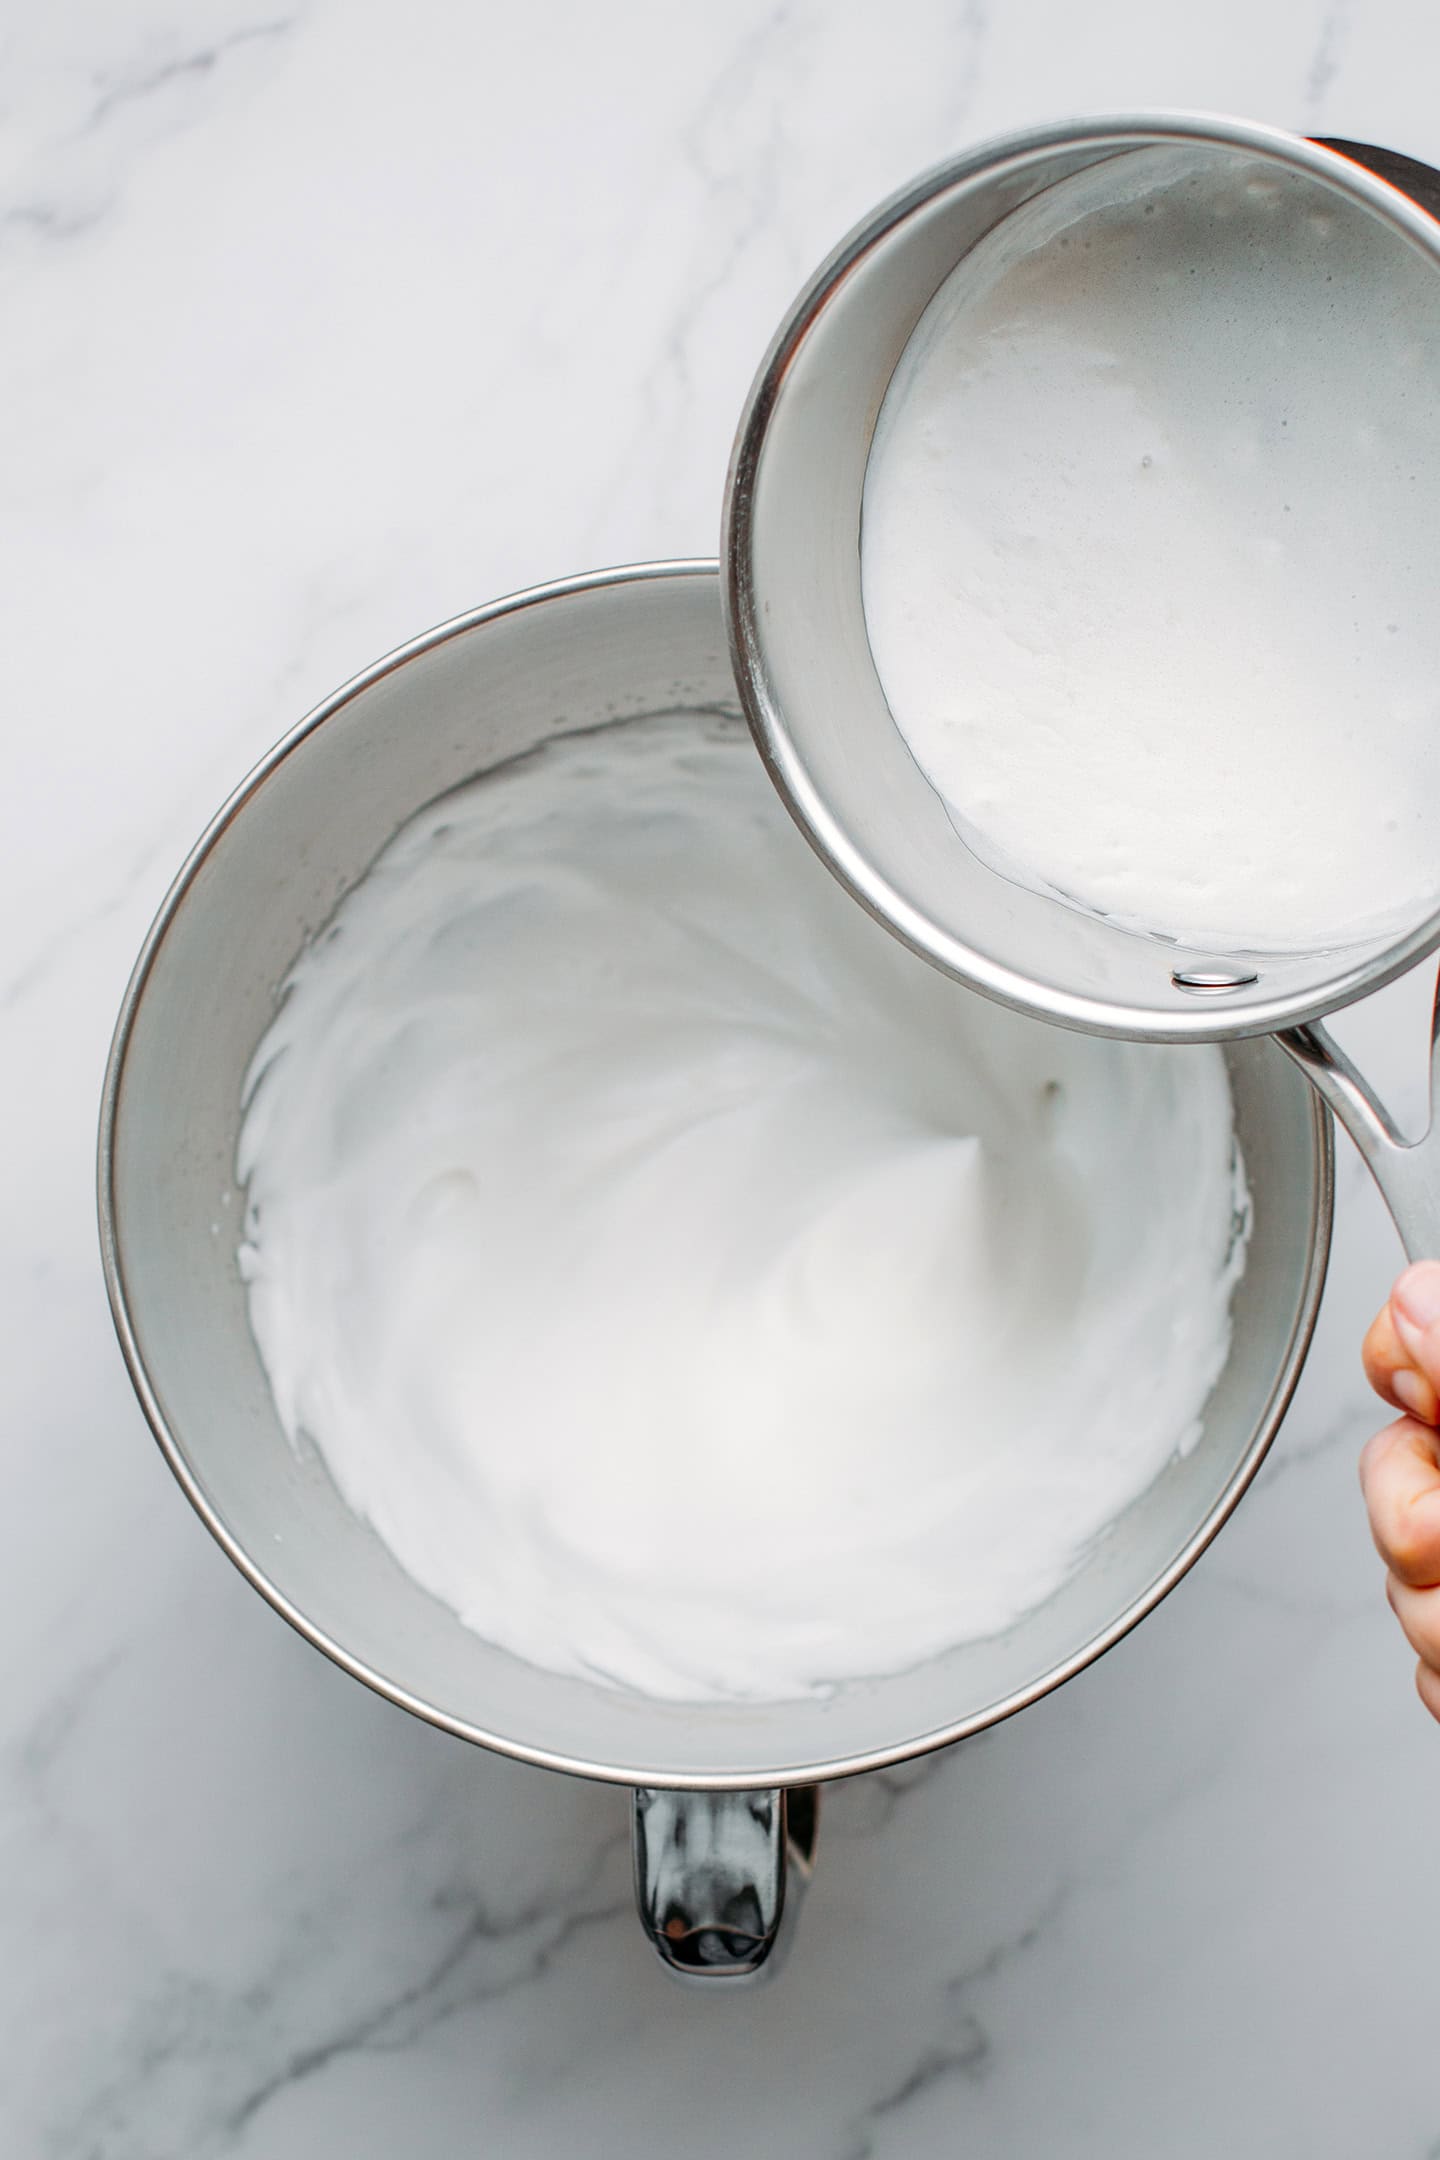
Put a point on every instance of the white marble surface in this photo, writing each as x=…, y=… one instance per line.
x=323, y=321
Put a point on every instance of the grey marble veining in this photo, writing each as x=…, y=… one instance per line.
x=323, y=322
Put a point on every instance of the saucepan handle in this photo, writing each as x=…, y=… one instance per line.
x=712, y=1870
x=1406, y=1171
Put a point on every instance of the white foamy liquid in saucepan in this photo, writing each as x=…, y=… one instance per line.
x=693, y=1289
x=1151, y=527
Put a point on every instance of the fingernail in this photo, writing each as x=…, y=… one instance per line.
x=1414, y=1394
x=1415, y=1302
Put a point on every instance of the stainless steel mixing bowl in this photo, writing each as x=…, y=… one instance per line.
x=720, y=1790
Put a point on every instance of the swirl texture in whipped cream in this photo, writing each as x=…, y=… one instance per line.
x=693, y=1289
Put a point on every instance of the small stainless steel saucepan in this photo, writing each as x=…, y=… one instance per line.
x=815, y=702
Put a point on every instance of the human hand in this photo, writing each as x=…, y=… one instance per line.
x=1400, y=1467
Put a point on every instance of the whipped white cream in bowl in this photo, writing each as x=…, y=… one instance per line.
x=622, y=1306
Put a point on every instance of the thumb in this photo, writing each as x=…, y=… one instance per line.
x=1401, y=1353
x=1415, y=1311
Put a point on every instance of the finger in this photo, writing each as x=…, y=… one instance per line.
x=1427, y=1687
x=1415, y=1312
x=1418, y=1612
x=1390, y=1369
x=1400, y=1476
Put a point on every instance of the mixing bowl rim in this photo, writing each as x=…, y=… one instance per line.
x=795, y=1773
